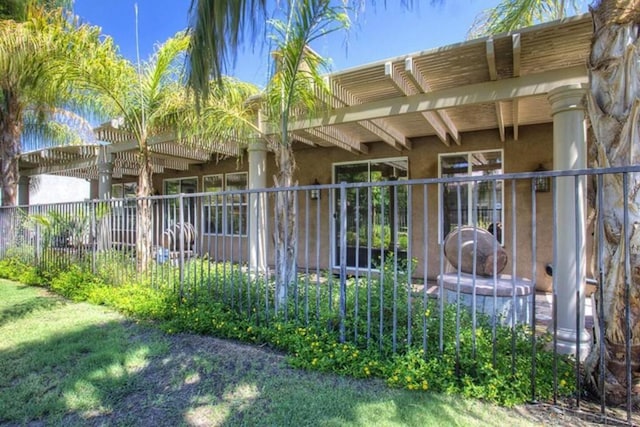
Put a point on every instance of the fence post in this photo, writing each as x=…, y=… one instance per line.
x=93, y=236
x=343, y=259
x=180, y=232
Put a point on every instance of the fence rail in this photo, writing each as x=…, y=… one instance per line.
x=370, y=256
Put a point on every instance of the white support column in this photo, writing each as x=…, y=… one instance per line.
x=105, y=173
x=23, y=190
x=570, y=152
x=257, y=206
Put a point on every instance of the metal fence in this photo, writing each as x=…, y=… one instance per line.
x=369, y=259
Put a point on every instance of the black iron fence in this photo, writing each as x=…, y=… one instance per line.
x=384, y=273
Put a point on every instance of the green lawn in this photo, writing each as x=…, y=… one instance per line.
x=64, y=363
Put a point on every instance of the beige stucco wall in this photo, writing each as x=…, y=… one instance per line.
x=533, y=147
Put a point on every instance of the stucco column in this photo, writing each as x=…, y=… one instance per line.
x=105, y=173
x=23, y=190
x=570, y=152
x=257, y=206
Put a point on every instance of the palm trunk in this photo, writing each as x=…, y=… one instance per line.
x=11, y=128
x=285, y=226
x=614, y=108
x=143, y=217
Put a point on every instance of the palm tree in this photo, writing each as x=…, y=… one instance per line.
x=38, y=92
x=17, y=9
x=614, y=112
x=295, y=87
x=150, y=100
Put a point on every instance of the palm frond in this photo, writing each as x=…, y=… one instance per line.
x=228, y=114
x=510, y=15
x=297, y=79
x=218, y=28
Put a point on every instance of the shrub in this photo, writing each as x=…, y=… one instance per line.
x=13, y=268
x=75, y=283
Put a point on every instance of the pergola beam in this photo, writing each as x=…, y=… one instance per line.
x=416, y=77
x=517, y=52
x=171, y=137
x=500, y=118
x=401, y=85
x=379, y=127
x=304, y=140
x=491, y=59
x=493, y=76
x=338, y=138
x=59, y=167
x=472, y=94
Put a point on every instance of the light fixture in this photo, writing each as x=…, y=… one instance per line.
x=314, y=193
x=542, y=183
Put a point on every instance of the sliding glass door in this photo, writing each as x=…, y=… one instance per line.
x=376, y=215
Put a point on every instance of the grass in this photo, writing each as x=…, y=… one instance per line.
x=64, y=363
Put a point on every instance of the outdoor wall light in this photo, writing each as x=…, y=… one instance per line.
x=542, y=183
x=314, y=193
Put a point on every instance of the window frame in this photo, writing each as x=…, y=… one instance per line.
x=470, y=192
x=180, y=179
x=225, y=218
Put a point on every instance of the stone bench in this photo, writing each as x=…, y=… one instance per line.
x=505, y=290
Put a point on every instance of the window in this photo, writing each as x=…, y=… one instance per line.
x=123, y=220
x=122, y=191
x=479, y=203
x=227, y=214
x=179, y=186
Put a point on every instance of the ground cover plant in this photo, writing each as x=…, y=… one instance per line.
x=69, y=363
x=411, y=343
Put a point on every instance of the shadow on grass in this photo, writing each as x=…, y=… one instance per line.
x=121, y=373
x=22, y=309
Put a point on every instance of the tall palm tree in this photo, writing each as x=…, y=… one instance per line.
x=294, y=88
x=614, y=110
x=38, y=93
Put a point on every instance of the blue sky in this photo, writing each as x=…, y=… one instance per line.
x=377, y=34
